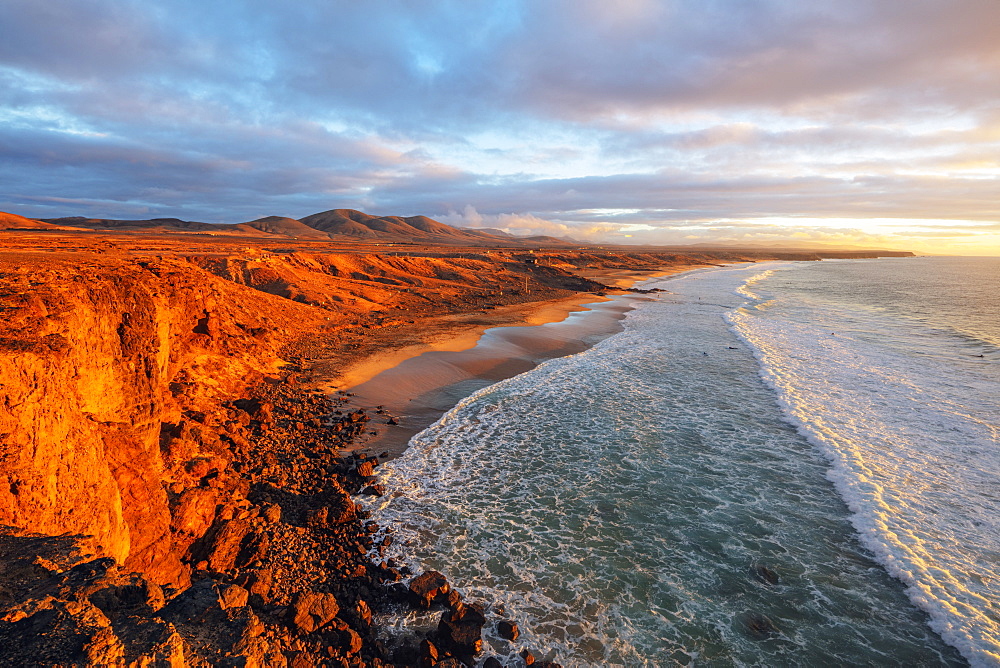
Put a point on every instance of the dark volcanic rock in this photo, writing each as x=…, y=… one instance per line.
x=450, y=662
x=765, y=574
x=200, y=603
x=508, y=630
x=757, y=626
x=429, y=654
x=461, y=629
x=132, y=594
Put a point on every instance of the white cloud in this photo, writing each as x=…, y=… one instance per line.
x=526, y=224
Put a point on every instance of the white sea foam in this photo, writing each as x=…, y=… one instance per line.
x=622, y=505
x=912, y=437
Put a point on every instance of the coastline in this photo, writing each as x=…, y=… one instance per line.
x=414, y=385
x=470, y=472
x=225, y=363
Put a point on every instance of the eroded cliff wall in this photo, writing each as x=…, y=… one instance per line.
x=115, y=368
x=97, y=360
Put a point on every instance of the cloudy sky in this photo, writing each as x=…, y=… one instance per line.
x=862, y=122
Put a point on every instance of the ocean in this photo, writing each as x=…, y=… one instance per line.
x=777, y=464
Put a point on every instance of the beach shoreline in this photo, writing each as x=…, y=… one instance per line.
x=410, y=387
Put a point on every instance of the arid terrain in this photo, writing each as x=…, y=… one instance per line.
x=175, y=488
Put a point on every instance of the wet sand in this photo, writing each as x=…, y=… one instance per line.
x=420, y=389
x=416, y=386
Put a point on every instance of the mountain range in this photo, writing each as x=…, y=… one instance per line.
x=333, y=225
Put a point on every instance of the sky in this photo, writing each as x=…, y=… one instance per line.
x=872, y=123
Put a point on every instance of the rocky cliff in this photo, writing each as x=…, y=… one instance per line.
x=169, y=492
x=101, y=364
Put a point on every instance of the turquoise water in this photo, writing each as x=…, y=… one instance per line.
x=772, y=465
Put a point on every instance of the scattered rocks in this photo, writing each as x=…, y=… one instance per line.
x=461, y=629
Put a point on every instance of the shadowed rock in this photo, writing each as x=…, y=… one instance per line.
x=757, y=626
x=461, y=629
x=764, y=574
x=508, y=630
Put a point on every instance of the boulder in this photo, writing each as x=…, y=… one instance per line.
x=508, y=630
x=366, y=469
x=429, y=654
x=461, y=629
x=230, y=544
x=272, y=513
x=757, y=626
x=131, y=594
x=764, y=573
x=428, y=586
x=232, y=596
x=364, y=613
x=195, y=511
x=312, y=611
x=200, y=603
x=350, y=641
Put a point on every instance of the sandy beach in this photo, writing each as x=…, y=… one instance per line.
x=416, y=384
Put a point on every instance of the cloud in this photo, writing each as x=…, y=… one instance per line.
x=528, y=225
x=571, y=117
x=778, y=55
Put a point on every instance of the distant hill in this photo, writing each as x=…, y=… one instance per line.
x=549, y=241
x=144, y=225
x=349, y=223
x=492, y=231
x=344, y=225
x=12, y=221
x=282, y=226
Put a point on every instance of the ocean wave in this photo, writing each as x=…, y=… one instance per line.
x=913, y=453
x=644, y=503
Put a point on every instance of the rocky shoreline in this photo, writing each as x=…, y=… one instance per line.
x=289, y=571
x=176, y=490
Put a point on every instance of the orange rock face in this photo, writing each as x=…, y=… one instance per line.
x=96, y=362
x=114, y=367
x=115, y=363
